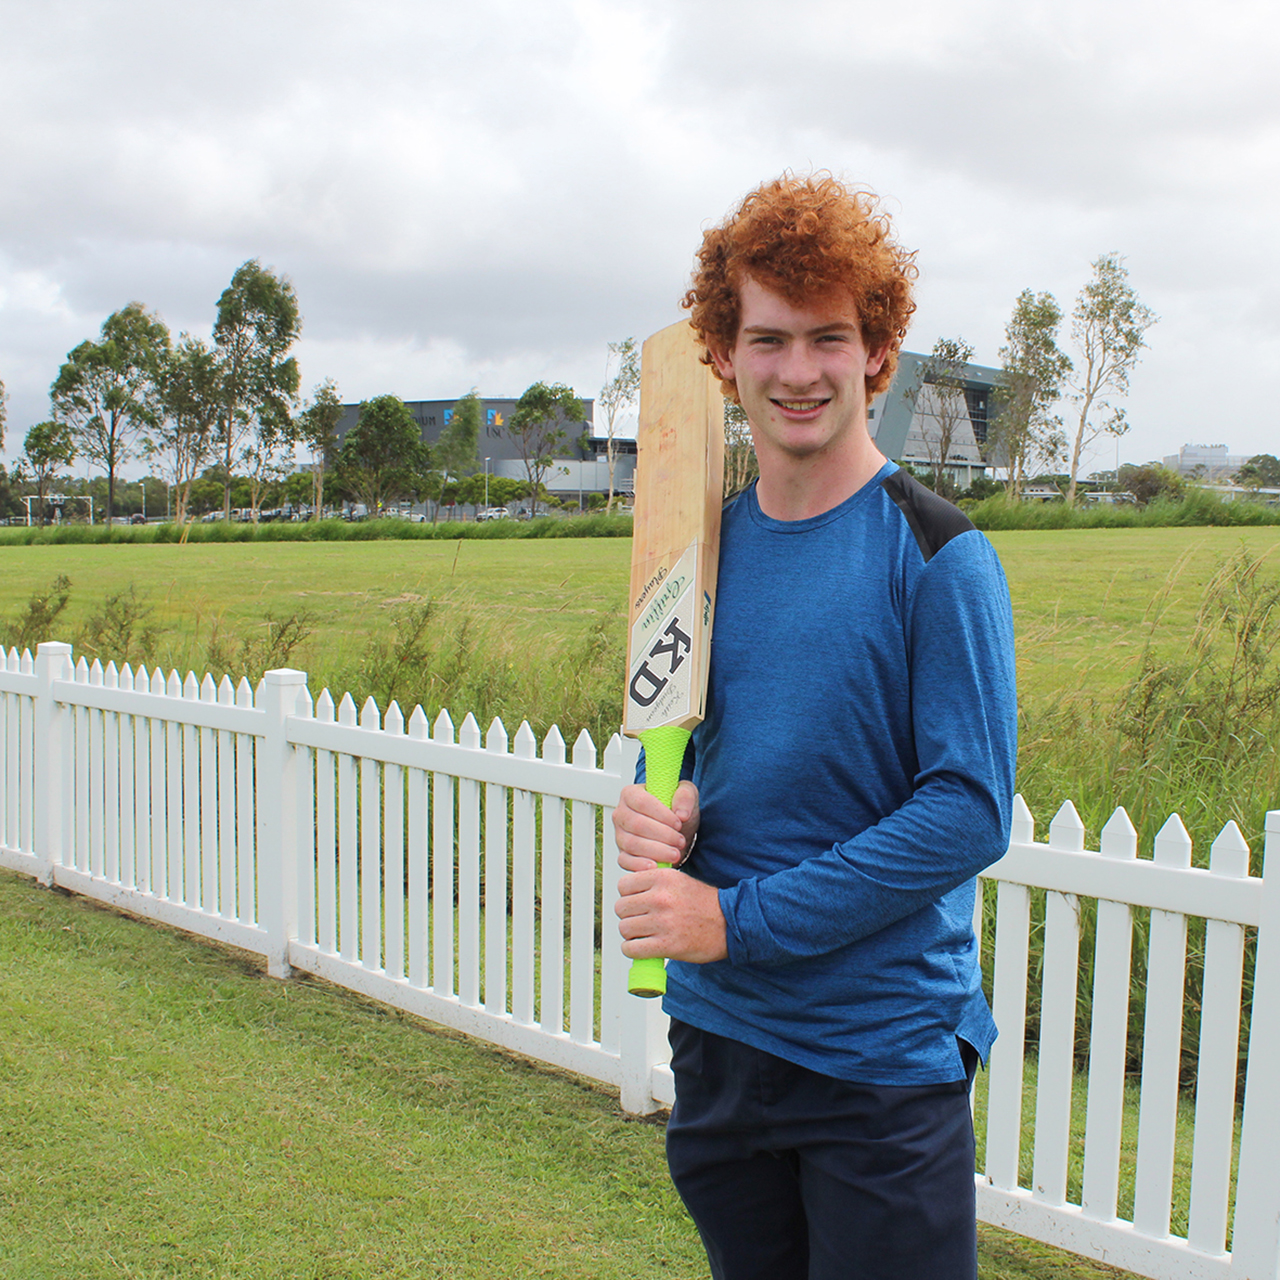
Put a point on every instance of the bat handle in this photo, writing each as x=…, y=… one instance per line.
x=663, y=758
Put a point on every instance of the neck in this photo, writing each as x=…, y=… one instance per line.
x=800, y=488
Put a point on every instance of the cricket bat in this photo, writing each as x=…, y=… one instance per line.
x=675, y=545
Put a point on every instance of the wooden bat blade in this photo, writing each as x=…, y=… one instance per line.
x=676, y=533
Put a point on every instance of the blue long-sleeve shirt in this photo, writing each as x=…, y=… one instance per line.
x=855, y=772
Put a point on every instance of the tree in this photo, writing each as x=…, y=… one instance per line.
x=383, y=455
x=317, y=427
x=3, y=399
x=48, y=446
x=1262, y=471
x=457, y=451
x=184, y=434
x=537, y=424
x=1108, y=327
x=257, y=324
x=1150, y=482
x=107, y=391
x=618, y=393
x=740, y=463
x=1025, y=431
x=939, y=394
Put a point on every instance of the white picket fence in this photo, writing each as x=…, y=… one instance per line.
x=471, y=882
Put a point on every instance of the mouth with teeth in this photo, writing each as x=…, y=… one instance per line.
x=800, y=406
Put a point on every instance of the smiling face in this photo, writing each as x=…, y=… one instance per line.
x=801, y=374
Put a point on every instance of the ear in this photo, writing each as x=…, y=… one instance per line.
x=722, y=362
x=876, y=359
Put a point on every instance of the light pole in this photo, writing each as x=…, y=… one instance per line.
x=486, y=484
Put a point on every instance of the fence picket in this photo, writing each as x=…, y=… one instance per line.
x=348, y=849
x=1009, y=1007
x=128, y=844
x=1108, y=1035
x=210, y=898
x=495, y=880
x=442, y=870
x=192, y=880
x=551, y=945
x=1055, y=1074
x=419, y=872
x=1218, y=1059
x=326, y=836
x=1161, y=1047
x=111, y=782
x=582, y=922
x=225, y=747
x=370, y=847
x=142, y=790
x=393, y=853
x=468, y=873
x=523, y=881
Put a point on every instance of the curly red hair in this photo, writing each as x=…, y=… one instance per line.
x=806, y=238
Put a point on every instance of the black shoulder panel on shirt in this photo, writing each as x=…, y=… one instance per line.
x=933, y=520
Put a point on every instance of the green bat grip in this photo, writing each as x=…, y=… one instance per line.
x=663, y=758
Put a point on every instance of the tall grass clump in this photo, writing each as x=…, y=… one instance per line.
x=1198, y=507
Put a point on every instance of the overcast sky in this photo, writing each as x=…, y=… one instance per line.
x=487, y=193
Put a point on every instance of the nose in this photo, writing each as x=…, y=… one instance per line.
x=798, y=369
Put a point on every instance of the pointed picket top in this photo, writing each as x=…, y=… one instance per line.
x=393, y=721
x=526, y=745
x=226, y=692
x=496, y=739
x=1066, y=831
x=304, y=703
x=324, y=707
x=1023, y=827
x=1119, y=839
x=157, y=681
x=469, y=735
x=1229, y=855
x=208, y=690
x=346, y=710
x=9, y=658
x=27, y=664
x=141, y=681
x=111, y=677
x=584, y=751
x=95, y=673
x=126, y=676
x=82, y=671
x=442, y=730
x=418, y=726
x=244, y=693
x=191, y=687
x=259, y=690
x=370, y=716
x=553, y=746
x=1173, y=845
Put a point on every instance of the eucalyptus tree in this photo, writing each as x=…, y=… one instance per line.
x=107, y=392
x=184, y=437
x=257, y=324
x=1025, y=431
x=47, y=447
x=317, y=427
x=939, y=394
x=538, y=425
x=1108, y=327
x=618, y=393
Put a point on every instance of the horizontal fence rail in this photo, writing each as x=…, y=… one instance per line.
x=469, y=878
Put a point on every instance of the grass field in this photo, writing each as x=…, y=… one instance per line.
x=167, y=1111
x=1080, y=597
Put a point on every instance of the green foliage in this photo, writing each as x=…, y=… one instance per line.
x=256, y=326
x=1024, y=432
x=456, y=452
x=1262, y=471
x=36, y=623
x=619, y=391
x=122, y=630
x=383, y=456
x=1198, y=507
x=317, y=427
x=48, y=446
x=1109, y=328
x=108, y=391
x=184, y=433
x=538, y=425
x=1147, y=483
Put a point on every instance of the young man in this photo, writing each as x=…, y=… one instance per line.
x=853, y=774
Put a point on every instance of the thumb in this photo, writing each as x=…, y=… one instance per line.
x=684, y=804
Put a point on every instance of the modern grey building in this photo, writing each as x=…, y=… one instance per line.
x=1206, y=461
x=906, y=421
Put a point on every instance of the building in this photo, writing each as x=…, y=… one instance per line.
x=1205, y=462
x=909, y=420
x=582, y=470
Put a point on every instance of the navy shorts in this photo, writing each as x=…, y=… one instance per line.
x=792, y=1175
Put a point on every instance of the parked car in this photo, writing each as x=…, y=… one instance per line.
x=493, y=513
